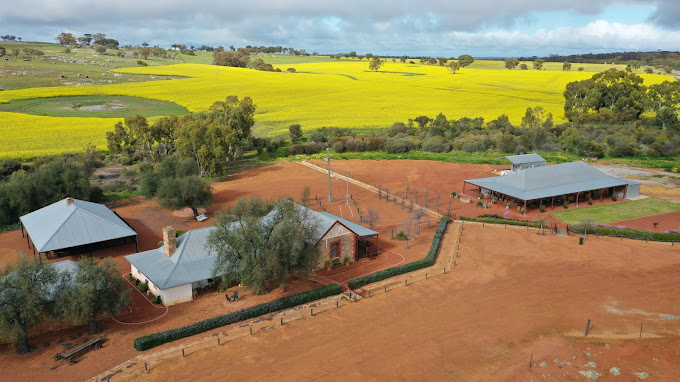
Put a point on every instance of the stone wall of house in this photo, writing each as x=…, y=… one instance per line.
x=347, y=248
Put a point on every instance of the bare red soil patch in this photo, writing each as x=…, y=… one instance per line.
x=513, y=294
x=656, y=223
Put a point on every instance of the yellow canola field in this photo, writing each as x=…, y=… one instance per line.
x=342, y=94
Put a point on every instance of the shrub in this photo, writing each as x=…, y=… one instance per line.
x=480, y=203
x=401, y=236
x=156, y=339
x=305, y=148
x=328, y=263
x=625, y=232
x=566, y=204
x=437, y=145
x=410, y=267
x=291, y=70
x=541, y=208
x=157, y=300
x=590, y=201
x=141, y=63
x=338, y=147
x=495, y=219
x=143, y=287
x=614, y=198
x=454, y=194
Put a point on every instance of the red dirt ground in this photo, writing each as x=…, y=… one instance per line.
x=438, y=177
x=147, y=218
x=667, y=221
x=513, y=296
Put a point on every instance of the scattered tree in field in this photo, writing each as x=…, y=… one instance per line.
x=538, y=64
x=176, y=186
x=649, y=70
x=511, y=63
x=537, y=117
x=352, y=55
x=580, y=69
x=403, y=59
x=253, y=251
x=24, y=294
x=465, y=60
x=295, y=132
x=145, y=52
x=372, y=217
x=101, y=49
x=96, y=290
x=442, y=61
x=66, y=39
x=375, y=64
x=229, y=58
x=523, y=66
x=305, y=196
x=663, y=99
x=566, y=66
x=453, y=66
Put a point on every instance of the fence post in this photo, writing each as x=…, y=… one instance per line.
x=640, y=329
x=337, y=305
x=444, y=270
x=312, y=312
x=218, y=341
x=587, y=327
x=251, y=330
x=406, y=282
x=182, y=352
x=146, y=367
x=385, y=288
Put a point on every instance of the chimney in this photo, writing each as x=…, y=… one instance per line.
x=169, y=240
x=69, y=201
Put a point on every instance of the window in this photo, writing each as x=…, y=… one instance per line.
x=335, y=250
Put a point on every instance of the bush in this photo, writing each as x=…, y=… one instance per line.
x=614, y=198
x=566, y=204
x=291, y=70
x=141, y=63
x=401, y=236
x=410, y=267
x=143, y=287
x=495, y=219
x=480, y=203
x=437, y=145
x=541, y=208
x=157, y=300
x=590, y=201
x=338, y=147
x=305, y=148
x=625, y=232
x=156, y=339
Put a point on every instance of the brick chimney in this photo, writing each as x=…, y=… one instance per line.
x=169, y=240
x=69, y=201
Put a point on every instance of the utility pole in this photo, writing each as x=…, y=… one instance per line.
x=347, y=193
x=330, y=194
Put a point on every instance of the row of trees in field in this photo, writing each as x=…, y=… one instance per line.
x=663, y=60
x=33, y=292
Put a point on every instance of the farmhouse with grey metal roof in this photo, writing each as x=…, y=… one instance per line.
x=71, y=223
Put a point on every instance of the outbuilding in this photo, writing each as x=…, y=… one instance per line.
x=72, y=226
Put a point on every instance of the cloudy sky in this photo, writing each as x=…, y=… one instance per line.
x=483, y=28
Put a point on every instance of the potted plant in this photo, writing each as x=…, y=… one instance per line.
x=480, y=203
x=507, y=206
x=541, y=208
x=614, y=197
x=454, y=194
x=566, y=204
x=346, y=260
x=480, y=196
x=329, y=264
x=493, y=201
x=590, y=201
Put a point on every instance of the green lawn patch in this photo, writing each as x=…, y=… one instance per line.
x=616, y=212
x=102, y=106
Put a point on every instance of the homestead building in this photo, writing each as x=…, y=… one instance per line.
x=183, y=264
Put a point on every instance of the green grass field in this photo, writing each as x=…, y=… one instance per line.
x=87, y=106
x=616, y=212
x=323, y=92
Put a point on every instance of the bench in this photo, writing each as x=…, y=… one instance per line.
x=233, y=297
x=201, y=217
x=96, y=342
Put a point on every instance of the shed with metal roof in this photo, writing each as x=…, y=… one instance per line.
x=524, y=161
x=72, y=225
x=560, y=180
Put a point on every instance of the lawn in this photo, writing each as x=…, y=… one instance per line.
x=616, y=212
x=102, y=106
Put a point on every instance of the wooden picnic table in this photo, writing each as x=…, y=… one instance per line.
x=96, y=342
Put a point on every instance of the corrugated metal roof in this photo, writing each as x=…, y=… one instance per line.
x=192, y=262
x=543, y=182
x=61, y=225
x=524, y=158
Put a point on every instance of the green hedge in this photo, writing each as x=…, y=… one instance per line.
x=410, y=267
x=156, y=339
x=628, y=233
x=500, y=220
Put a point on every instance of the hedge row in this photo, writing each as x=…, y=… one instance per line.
x=156, y=339
x=499, y=220
x=628, y=233
x=410, y=267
